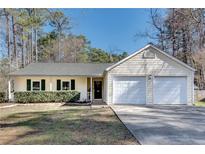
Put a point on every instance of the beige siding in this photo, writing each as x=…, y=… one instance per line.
x=80, y=83
x=161, y=65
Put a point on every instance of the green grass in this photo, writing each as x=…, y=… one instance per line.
x=41, y=124
x=200, y=104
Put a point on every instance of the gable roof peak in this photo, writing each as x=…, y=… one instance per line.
x=158, y=50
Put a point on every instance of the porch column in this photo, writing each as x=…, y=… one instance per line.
x=91, y=89
x=50, y=86
x=9, y=89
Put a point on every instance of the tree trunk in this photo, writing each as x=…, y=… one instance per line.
x=36, y=38
x=22, y=50
x=59, y=59
x=184, y=42
x=28, y=51
x=14, y=41
x=173, y=41
x=162, y=41
x=8, y=38
x=36, y=45
x=31, y=44
x=75, y=51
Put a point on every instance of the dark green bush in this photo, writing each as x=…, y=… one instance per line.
x=45, y=96
x=2, y=97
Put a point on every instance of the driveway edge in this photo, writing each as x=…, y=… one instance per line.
x=125, y=125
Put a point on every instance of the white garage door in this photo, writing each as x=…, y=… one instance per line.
x=170, y=90
x=129, y=90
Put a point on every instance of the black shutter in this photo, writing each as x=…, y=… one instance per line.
x=28, y=81
x=43, y=84
x=58, y=84
x=72, y=84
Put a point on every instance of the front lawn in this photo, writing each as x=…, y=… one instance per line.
x=200, y=104
x=56, y=124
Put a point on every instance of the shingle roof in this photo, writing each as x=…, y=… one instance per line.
x=62, y=69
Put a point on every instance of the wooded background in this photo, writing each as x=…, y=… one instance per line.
x=181, y=33
x=24, y=40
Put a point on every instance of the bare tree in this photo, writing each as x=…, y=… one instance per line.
x=180, y=32
x=61, y=24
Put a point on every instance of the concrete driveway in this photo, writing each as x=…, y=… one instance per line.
x=164, y=124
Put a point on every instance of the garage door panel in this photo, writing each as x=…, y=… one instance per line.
x=170, y=90
x=129, y=90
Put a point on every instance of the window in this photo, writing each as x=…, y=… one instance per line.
x=36, y=85
x=65, y=85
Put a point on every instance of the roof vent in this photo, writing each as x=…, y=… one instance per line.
x=148, y=54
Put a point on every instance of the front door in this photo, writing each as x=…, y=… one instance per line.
x=97, y=89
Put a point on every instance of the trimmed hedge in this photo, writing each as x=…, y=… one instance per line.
x=45, y=96
x=2, y=97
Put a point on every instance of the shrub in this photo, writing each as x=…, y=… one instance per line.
x=2, y=97
x=45, y=96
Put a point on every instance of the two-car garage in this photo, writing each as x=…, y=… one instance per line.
x=133, y=90
x=150, y=76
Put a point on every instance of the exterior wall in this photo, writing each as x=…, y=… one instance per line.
x=161, y=65
x=80, y=83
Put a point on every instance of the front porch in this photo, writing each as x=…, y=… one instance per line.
x=82, y=84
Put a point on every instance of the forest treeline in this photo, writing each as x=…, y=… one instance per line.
x=181, y=33
x=25, y=39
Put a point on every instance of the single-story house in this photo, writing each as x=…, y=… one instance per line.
x=148, y=76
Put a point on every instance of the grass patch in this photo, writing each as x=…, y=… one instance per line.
x=200, y=104
x=62, y=125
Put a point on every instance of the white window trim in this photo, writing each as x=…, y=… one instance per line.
x=32, y=85
x=65, y=81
